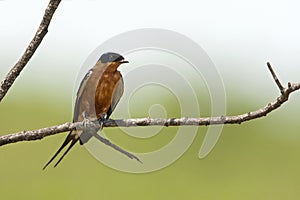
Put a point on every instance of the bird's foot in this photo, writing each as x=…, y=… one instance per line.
x=85, y=121
x=101, y=119
x=102, y=116
x=87, y=130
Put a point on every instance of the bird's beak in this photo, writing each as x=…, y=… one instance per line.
x=123, y=61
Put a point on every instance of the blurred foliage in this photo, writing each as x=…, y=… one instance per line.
x=256, y=160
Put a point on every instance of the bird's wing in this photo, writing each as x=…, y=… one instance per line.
x=73, y=137
x=117, y=93
x=79, y=94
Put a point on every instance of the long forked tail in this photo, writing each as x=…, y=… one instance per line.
x=107, y=142
x=68, y=139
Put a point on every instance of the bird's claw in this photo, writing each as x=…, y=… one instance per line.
x=101, y=119
x=85, y=120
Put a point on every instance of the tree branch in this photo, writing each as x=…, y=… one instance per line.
x=185, y=121
x=281, y=88
x=33, y=45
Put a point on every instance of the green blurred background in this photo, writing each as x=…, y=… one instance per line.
x=256, y=160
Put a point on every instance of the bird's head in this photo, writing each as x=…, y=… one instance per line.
x=112, y=58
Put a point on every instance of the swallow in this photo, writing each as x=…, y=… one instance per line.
x=97, y=97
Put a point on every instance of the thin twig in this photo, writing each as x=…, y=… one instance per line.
x=33, y=45
x=281, y=88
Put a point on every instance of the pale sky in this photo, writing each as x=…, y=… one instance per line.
x=239, y=36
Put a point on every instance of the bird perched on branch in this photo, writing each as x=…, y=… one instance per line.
x=97, y=97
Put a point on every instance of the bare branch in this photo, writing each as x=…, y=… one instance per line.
x=185, y=121
x=35, y=42
x=35, y=134
x=41, y=133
